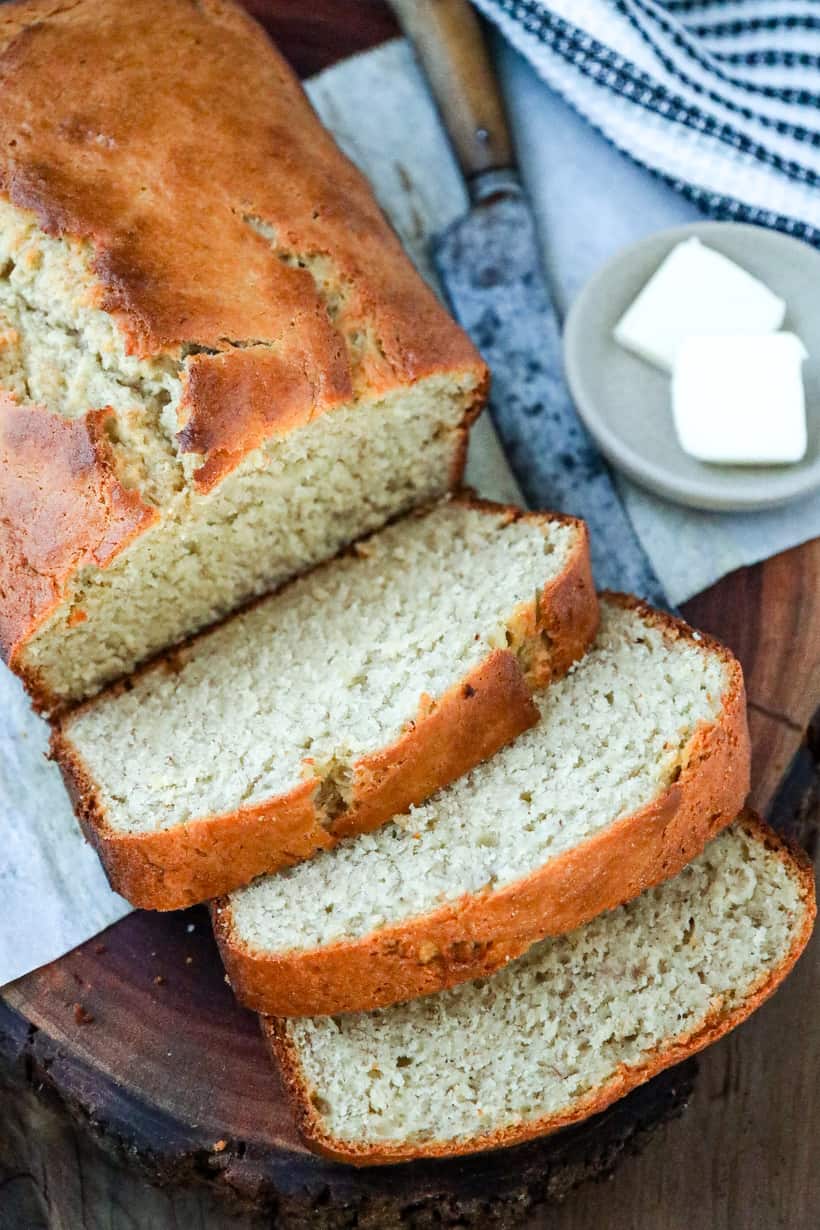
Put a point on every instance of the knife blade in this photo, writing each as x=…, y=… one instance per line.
x=490, y=268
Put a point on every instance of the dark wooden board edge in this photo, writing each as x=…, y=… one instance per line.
x=479, y=1191
x=769, y=615
x=312, y=35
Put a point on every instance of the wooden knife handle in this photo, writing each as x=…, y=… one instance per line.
x=450, y=45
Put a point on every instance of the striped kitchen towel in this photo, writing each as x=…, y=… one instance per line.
x=720, y=98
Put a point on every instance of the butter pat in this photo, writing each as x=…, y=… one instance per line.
x=695, y=290
x=738, y=400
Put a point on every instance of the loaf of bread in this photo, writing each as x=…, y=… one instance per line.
x=640, y=757
x=217, y=365
x=566, y=1030
x=325, y=709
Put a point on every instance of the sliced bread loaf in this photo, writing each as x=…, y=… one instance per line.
x=218, y=366
x=329, y=707
x=640, y=757
x=567, y=1029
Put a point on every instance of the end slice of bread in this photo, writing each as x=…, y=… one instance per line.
x=343, y=699
x=566, y=1030
x=641, y=756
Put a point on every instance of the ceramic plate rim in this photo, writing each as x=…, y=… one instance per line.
x=692, y=492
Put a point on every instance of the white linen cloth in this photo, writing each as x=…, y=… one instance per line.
x=717, y=97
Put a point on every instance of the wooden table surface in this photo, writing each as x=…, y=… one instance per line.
x=740, y=1158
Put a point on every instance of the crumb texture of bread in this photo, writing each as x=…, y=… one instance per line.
x=335, y=666
x=292, y=504
x=225, y=336
x=564, y=1030
x=613, y=735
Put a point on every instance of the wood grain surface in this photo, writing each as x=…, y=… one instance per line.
x=134, y=1043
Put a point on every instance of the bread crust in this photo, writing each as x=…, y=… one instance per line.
x=478, y=933
x=62, y=508
x=173, y=868
x=116, y=160
x=717, y=1023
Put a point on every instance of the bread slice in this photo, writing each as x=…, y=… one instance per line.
x=327, y=708
x=217, y=366
x=566, y=1030
x=640, y=757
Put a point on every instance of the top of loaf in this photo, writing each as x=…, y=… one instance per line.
x=220, y=227
x=190, y=270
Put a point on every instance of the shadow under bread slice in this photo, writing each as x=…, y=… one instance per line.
x=640, y=757
x=323, y=710
x=564, y=1031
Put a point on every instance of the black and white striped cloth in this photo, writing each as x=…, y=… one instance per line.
x=720, y=98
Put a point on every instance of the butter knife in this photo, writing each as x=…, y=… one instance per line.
x=490, y=268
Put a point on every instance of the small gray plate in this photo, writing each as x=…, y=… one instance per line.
x=625, y=402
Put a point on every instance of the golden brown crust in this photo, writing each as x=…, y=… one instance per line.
x=207, y=857
x=62, y=507
x=165, y=161
x=477, y=934
x=185, y=264
x=237, y=400
x=174, y=868
x=715, y=1025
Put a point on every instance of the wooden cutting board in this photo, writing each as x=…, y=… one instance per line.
x=134, y=1038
